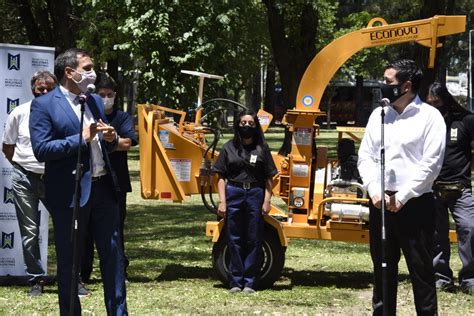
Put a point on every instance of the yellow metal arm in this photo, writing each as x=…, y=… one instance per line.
x=332, y=57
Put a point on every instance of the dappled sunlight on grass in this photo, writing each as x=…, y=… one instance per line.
x=171, y=272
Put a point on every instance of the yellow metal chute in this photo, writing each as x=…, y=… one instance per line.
x=333, y=56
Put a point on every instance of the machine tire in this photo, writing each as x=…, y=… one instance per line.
x=273, y=259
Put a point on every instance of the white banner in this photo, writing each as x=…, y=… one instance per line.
x=18, y=63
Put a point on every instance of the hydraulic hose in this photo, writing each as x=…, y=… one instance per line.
x=207, y=172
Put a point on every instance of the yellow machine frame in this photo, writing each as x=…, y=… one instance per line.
x=171, y=152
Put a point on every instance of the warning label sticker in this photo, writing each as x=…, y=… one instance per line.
x=182, y=169
x=264, y=119
x=302, y=136
x=300, y=170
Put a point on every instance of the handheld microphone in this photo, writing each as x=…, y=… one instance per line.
x=83, y=97
x=384, y=102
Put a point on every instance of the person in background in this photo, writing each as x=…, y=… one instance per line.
x=453, y=192
x=123, y=124
x=56, y=139
x=347, y=161
x=27, y=179
x=245, y=169
x=414, y=149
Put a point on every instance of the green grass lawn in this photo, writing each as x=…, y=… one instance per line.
x=170, y=270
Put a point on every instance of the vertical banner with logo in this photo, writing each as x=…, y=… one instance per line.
x=18, y=63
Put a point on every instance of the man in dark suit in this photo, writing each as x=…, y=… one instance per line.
x=123, y=124
x=55, y=132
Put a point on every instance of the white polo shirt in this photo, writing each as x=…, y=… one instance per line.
x=414, y=150
x=17, y=132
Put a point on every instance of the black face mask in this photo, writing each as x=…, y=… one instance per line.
x=391, y=91
x=246, y=131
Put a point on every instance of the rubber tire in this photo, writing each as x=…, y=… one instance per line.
x=273, y=259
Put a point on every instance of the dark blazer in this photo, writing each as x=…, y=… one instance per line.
x=123, y=124
x=54, y=131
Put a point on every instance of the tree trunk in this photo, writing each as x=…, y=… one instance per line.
x=270, y=97
x=430, y=9
x=292, y=55
x=256, y=95
x=44, y=26
x=32, y=31
x=60, y=14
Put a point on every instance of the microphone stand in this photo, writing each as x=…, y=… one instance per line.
x=75, y=215
x=382, y=196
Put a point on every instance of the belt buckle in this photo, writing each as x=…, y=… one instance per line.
x=246, y=185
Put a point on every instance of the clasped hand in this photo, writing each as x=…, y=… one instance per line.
x=108, y=131
x=391, y=202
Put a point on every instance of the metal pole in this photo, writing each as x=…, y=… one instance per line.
x=469, y=64
x=385, y=310
x=262, y=74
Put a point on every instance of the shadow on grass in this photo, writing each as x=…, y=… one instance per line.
x=339, y=279
x=352, y=279
x=153, y=254
x=173, y=272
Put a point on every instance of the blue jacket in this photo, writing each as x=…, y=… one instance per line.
x=54, y=131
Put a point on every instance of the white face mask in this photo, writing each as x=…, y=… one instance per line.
x=87, y=78
x=108, y=102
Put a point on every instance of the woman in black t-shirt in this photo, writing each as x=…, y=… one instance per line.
x=453, y=192
x=245, y=168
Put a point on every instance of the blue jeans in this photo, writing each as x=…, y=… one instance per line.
x=28, y=191
x=462, y=210
x=244, y=226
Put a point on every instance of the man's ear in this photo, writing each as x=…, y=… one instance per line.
x=68, y=72
x=406, y=86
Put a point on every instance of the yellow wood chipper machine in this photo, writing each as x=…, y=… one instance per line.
x=176, y=158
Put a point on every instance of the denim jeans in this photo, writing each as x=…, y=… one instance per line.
x=28, y=191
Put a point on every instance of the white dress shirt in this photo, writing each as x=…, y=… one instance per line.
x=17, y=132
x=98, y=163
x=414, y=150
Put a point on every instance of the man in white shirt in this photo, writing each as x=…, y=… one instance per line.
x=414, y=149
x=27, y=179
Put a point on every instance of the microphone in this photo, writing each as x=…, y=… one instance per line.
x=83, y=97
x=384, y=102
x=91, y=89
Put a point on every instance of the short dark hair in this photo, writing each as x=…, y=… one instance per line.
x=407, y=70
x=68, y=59
x=105, y=81
x=42, y=75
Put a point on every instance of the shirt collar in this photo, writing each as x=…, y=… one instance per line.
x=414, y=104
x=68, y=94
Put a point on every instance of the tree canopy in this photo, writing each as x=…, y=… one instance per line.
x=151, y=41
